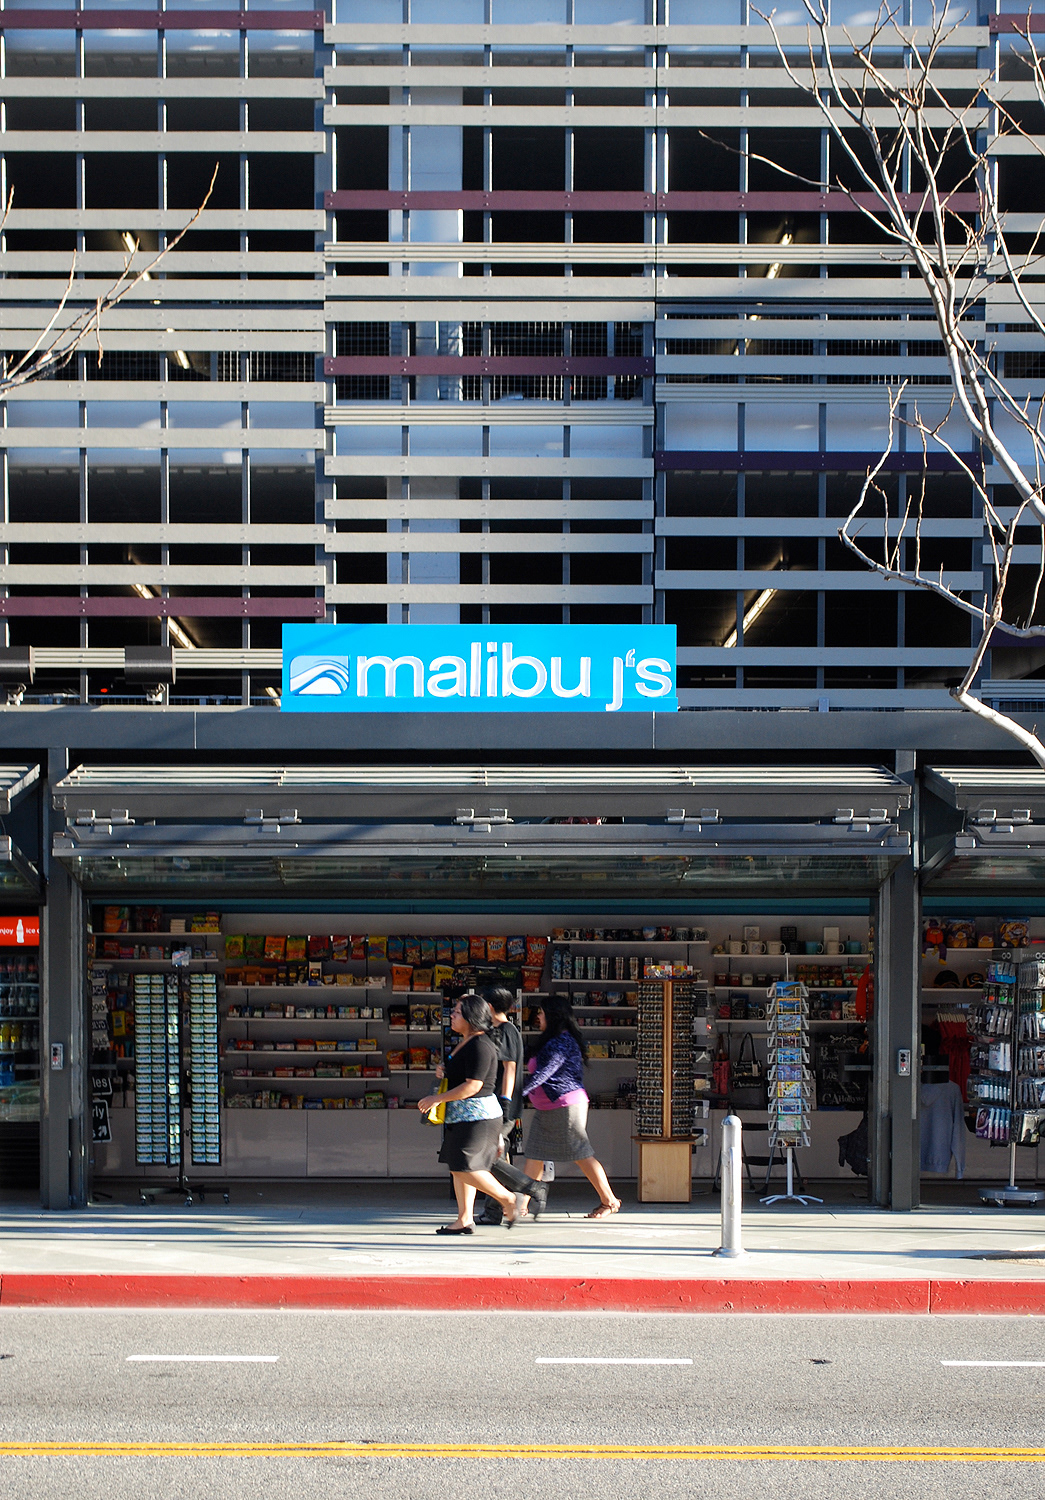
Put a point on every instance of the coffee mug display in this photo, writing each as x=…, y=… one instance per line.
x=812, y=947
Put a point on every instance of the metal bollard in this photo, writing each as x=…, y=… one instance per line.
x=732, y=1168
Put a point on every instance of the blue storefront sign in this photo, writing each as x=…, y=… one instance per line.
x=478, y=668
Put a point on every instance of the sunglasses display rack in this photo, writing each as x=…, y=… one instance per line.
x=204, y=1070
x=166, y=1014
x=665, y=1099
x=790, y=1080
x=1009, y=1060
x=157, y=1100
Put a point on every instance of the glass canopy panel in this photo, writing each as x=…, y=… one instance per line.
x=989, y=871
x=473, y=875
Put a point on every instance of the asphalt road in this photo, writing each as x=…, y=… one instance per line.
x=80, y=1378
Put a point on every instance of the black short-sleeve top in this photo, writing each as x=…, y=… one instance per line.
x=476, y=1059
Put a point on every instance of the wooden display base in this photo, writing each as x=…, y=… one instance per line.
x=665, y=1171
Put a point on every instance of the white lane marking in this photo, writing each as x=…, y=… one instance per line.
x=572, y=1361
x=995, y=1364
x=206, y=1359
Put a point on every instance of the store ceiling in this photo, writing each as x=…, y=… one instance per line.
x=773, y=793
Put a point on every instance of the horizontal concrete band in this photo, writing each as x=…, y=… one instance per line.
x=799, y=463
x=527, y=1294
x=469, y=364
x=108, y=605
x=162, y=20
x=560, y=200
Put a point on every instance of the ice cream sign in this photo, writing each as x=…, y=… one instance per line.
x=478, y=669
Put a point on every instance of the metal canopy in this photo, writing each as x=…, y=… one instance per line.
x=15, y=781
x=421, y=792
x=997, y=790
x=393, y=860
x=19, y=877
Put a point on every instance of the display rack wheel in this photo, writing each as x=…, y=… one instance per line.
x=225, y=1197
x=188, y=1201
x=200, y=1196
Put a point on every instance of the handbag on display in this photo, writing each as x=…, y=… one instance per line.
x=747, y=1080
x=437, y=1114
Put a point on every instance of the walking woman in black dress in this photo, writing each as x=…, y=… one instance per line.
x=472, y=1135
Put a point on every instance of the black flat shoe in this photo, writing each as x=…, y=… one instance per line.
x=449, y=1229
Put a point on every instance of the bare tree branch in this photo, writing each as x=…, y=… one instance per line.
x=915, y=154
x=58, y=341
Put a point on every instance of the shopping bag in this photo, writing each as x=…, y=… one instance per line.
x=437, y=1114
x=747, y=1085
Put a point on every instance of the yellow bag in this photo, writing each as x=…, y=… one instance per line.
x=437, y=1114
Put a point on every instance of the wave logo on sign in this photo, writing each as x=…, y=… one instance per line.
x=320, y=676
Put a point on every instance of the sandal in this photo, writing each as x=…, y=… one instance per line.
x=604, y=1210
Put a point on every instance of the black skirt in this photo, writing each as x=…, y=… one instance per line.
x=471, y=1145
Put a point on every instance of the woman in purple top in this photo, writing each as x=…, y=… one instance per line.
x=555, y=1088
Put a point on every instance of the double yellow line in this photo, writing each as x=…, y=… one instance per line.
x=620, y=1452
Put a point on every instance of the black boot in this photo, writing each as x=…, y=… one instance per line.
x=517, y=1182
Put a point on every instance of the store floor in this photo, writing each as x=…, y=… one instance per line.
x=387, y=1228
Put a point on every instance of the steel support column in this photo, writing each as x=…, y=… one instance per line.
x=895, y=1136
x=64, y=1090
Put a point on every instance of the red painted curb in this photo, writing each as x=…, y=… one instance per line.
x=998, y=1297
x=524, y=1294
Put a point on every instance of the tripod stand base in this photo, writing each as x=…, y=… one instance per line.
x=802, y=1198
x=1012, y=1197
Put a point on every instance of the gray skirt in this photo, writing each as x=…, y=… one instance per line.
x=559, y=1134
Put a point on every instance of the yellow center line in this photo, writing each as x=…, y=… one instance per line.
x=683, y=1452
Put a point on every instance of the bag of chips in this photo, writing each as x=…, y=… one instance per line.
x=536, y=948
x=496, y=948
x=444, y=950
x=515, y=950
x=461, y=948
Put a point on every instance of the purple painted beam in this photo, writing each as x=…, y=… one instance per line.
x=161, y=20
x=63, y=605
x=1015, y=23
x=559, y=202
x=803, y=463
x=449, y=364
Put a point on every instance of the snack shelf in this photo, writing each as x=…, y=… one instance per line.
x=798, y=960
x=760, y=1024
x=105, y=937
x=310, y=1052
x=316, y=1021
x=264, y=1081
x=630, y=943
x=814, y=988
x=368, y=984
x=152, y=963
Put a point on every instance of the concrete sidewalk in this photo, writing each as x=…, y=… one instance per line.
x=373, y=1244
